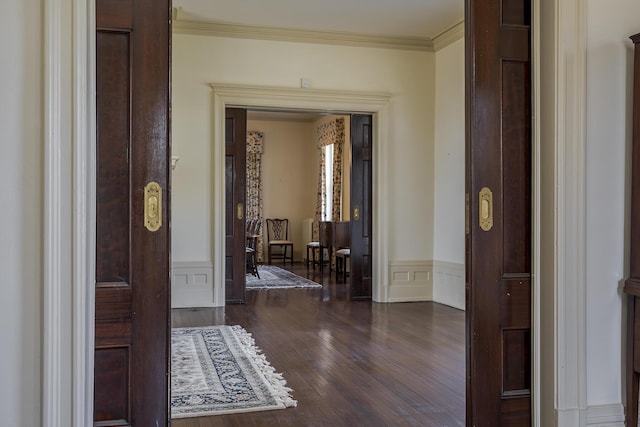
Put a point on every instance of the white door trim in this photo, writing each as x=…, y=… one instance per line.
x=562, y=117
x=248, y=96
x=69, y=213
x=571, y=71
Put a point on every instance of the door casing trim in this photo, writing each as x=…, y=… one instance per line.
x=69, y=241
x=295, y=99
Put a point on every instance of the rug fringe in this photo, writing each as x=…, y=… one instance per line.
x=275, y=379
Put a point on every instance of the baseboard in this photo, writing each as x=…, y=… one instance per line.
x=410, y=281
x=192, y=284
x=448, y=284
x=605, y=415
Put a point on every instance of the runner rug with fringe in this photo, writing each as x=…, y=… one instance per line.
x=218, y=370
x=272, y=277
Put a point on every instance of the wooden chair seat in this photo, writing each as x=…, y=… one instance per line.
x=312, y=247
x=342, y=255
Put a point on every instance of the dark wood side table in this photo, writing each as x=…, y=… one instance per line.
x=632, y=284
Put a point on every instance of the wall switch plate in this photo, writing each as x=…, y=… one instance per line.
x=305, y=83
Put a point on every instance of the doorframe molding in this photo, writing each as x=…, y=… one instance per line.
x=317, y=100
x=536, y=371
x=569, y=337
x=68, y=310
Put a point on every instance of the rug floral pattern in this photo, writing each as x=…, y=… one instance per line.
x=219, y=370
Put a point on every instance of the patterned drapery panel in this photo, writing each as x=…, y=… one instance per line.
x=320, y=197
x=255, y=146
x=336, y=204
x=331, y=132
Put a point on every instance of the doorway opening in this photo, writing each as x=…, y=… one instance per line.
x=310, y=169
x=298, y=100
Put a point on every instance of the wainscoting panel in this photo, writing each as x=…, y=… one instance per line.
x=410, y=281
x=192, y=284
x=605, y=416
x=448, y=284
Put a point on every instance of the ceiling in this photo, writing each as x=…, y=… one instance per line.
x=411, y=18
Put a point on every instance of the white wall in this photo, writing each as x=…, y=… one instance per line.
x=21, y=214
x=408, y=76
x=449, y=154
x=449, y=164
x=608, y=139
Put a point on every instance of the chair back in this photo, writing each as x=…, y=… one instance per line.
x=341, y=234
x=253, y=231
x=277, y=229
x=253, y=226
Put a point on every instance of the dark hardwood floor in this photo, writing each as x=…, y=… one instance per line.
x=349, y=363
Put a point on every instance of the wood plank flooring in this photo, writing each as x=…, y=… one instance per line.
x=349, y=363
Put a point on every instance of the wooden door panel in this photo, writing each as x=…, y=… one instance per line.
x=132, y=263
x=113, y=323
x=499, y=258
x=361, y=196
x=112, y=214
x=235, y=189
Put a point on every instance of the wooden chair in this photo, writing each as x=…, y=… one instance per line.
x=342, y=256
x=324, y=237
x=342, y=243
x=312, y=247
x=251, y=249
x=278, y=237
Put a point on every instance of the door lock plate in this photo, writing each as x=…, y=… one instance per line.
x=486, y=209
x=153, y=206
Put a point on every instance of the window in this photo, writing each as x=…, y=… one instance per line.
x=328, y=183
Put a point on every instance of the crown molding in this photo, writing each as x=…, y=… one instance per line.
x=448, y=36
x=225, y=29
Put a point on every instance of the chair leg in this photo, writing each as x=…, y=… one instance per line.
x=269, y=255
x=344, y=269
x=313, y=254
x=254, y=265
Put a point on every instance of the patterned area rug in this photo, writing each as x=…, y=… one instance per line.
x=219, y=370
x=272, y=277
